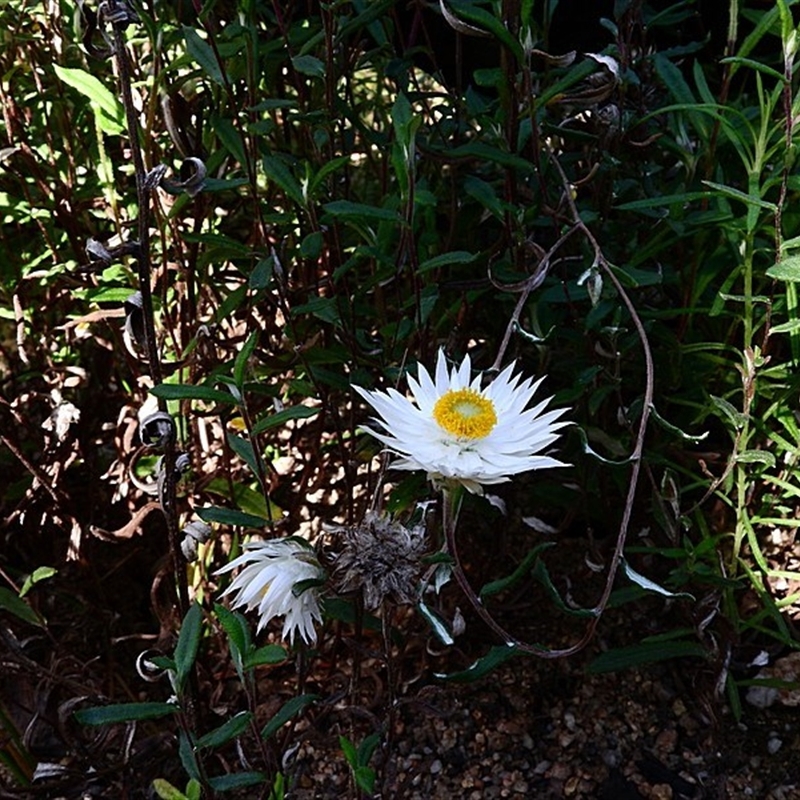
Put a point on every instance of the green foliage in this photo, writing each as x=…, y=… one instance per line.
x=356, y=213
x=358, y=758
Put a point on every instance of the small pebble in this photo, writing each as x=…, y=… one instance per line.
x=773, y=745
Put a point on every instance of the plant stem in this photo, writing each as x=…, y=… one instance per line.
x=168, y=495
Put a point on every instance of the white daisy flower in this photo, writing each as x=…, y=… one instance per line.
x=458, y=432
x=271, y=571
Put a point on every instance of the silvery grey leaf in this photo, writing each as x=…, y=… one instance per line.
x=200, y=531
x=147, y=670
x=157, y=429
x=154, y=177
x=97, y=250
x=134, y=320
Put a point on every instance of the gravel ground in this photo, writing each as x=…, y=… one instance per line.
x=556, y=732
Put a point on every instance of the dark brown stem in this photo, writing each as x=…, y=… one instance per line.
x=452, y=495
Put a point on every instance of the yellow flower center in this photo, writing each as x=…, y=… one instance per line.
x=465, y=413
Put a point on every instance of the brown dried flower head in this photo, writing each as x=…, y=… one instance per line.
x=380, y=557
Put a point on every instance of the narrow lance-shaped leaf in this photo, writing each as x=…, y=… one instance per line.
x=234, y=727
x=182, y=391
x=483, y=666
x=188, y=757
x=438, y=626
x=283, y=416
x=238, y=636
x=644, y=653
x=268, y=654
x=238, y=780
x=231, y=516
x=287, y=711
x=244, y=449
x=11, y=602
x=109, y=110
x=123, y=712
x=188, y=642
x=517, y=575
x=202, y=52
x=646, y=583
x=242, y=358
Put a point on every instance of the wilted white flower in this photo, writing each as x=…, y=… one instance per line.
x=271, y=571
x=458, y=432
x=379, y=557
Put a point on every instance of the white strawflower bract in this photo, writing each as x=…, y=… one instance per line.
x=270, y=572
x=459, y=432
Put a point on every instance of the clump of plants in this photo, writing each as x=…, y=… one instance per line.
x=310, y=311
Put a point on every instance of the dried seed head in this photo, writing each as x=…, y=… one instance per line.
x=379, y=557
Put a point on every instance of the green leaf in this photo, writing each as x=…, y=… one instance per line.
x=277, y=171
x=230, y=516
x=12, y=603
x=193, y=789
x=676, y=84
x=542, y=574
x=239, y=642
x=349, y=750
x=331, y=166
x=438, y=626
x=188, y=642
x=786, y=327
x=752, y=64
x=587, y=449
x=365, y=778
x=202, y=52
x=185, y=391
x=110, y=112
x=244, y=449
x=309, y=65
x=269, y=654
x=644, y=653
x=283, y=416
x=231, y=139
x=662, y=200
x=348, y=209
x=485, y=152
x=261, y=275
x=763, y=457
x=166, y=791
x=786, y=270
x=668, y=426
x=248, y=500
x=187, y=756
x=123, y=712
x=237, y=780
x=736, y=194
x=517, y=575
x=39, y=574
x=445, y=259
x=242, y=357
x=235, y=625
x=343, y=611
x=367, y=748
x=234, y=727
x=647, y=584
x=480, y=18
x=498, y=655
x=485, y=195
x=324, y=308
x=288, y=710
x=728, y=410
